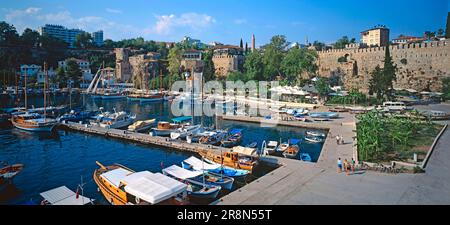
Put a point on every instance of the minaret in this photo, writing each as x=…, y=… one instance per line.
x=253, y=42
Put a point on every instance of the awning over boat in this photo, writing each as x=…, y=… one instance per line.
x=236, y=131
x=244, y=150
x=272, y=143
x=198, y=164
x=181, y=173
x=115, y=176
x=294, y=141
x=152, y=187
x=64, y=196
x=181, y=119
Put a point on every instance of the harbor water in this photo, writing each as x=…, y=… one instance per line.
x=68, y=157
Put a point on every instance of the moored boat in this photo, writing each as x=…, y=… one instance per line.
x=141, y=125
x=64, y=196
x=8, y=172
x=291, y=152
x=123, y=186
x=164, y=128
x=214, y=139
x=185, y=131
x=195, y=188
x=234, y=138
x=269, y=148
x=324, y=115
x=33, y=122
x=212, y=167
x=305, y=157
x=232, y=159
x=117, y=120
x=314, y=139
x=315, y=133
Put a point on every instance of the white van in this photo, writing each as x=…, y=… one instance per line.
x=394, y=106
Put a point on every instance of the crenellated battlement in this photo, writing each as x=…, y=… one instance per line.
x=429, y=45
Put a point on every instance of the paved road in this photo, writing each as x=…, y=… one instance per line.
x=305, y=183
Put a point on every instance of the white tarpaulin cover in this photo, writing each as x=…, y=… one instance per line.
x=64, y=196
x=197, y=164
x=115, y=176
x=244, y=150
x=152, y=187
x=181, y=173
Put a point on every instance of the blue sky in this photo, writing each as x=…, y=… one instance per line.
x=228, y=21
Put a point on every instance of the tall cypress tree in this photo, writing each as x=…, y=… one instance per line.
x=389, y=70
x=241, y=44
x=447, y=30
x=246, y=47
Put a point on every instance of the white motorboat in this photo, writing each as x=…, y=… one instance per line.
x=270, y=148
x=117, y=120
x=141, y=125
x=184, y=131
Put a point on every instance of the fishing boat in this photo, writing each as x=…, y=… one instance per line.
x=164, y=128
x=110, y=95
x=270, y=148
x=214, y=139
x=252, y=145
x=141, y=125
x=195, y=138
x=123, y=186
x=305, y=157
x=232, y=159
x=324, y=115
x=285, y=145
x=152, y=97
x=64, y=196
x=234, y=138
x=33, y=122
x=195, y=188
x=315, y=133
x=8, y=173
x=314, y=139
x=291, y=152
x=184, y=131
x=213, y=172
x=117, y=120
x=75, y=116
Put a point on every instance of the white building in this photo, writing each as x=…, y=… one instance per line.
x=84, y=65
x=36, y=72
x=60, y=32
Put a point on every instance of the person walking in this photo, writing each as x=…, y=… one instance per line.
x=338, y=139
x=342, y=140
x=353, y=165
x=346, y=166
x=339, y=164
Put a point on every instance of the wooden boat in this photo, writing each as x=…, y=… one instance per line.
x=123, y=186
x=215, y=139
x=153, y=97
x=33, y=122
x=112, y=95
x=270, y=148
x=8, y=173
x=141, y=125
x=165, y=128
x=195, y=188
x=305, y=157
x=315, y=134
x=314, y=139
x=282, y=147
x=210, y=166
x=291, y=152
x=64, y=196
x=185, y=131
x=226, y=182
x=233, y=139
x=232, y=159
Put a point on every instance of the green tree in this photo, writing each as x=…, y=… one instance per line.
x=241, y=44
x=273, y=56
x=246, y=48
x=322, y=87
x=320, y=46
x=8, y=34
x=61, y=78
x=208, y=68
x=376, y=83
x=389, y=71
x=83, y=40
x=174, y=59
x=340, y=44
x=440, y=32
x=30, y=38
x=254, y=66
x=446, y=88
x=447, y=27
x=73, y=72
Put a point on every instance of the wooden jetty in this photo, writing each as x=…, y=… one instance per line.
x=165, y=142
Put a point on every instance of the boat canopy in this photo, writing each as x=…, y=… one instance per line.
x=236, y=131
x=181, y=119
x=198, y=164
x=244, y=150
x=294, y=141
x=181, y=173
x=64, y=196
x=115, y=176
x=272, y=143
x=152, y=187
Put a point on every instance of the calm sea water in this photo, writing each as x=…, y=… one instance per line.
x=65, y=157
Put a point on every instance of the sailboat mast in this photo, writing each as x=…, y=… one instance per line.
x=25, y=80
x=45, y=92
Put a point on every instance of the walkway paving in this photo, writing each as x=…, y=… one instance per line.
x=298, y=182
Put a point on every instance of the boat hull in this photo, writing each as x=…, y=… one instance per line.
x=118, y=124
x=36, y=128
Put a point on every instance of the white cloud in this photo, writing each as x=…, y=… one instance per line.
x=165, y=24
x=34, y=17
x=240, y=21
x=116, y=11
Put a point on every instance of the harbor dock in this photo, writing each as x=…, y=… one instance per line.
x=165, y=142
